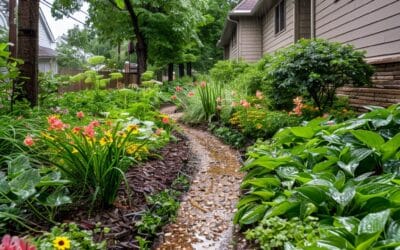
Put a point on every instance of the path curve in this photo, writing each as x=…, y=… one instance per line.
x=204, y=219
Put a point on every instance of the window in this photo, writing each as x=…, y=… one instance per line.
x=280, y=17
x=234, y=39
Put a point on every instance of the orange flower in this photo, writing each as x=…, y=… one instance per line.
x=191, y=94
x=76, y=130
x=173, y=97
x=94, y=123
x=203, y=84
x=55, y=123
x=178, y=89
x=89, y=131
x=29, y=141
x=165, y=119
x=245, y=103
x=80, y=115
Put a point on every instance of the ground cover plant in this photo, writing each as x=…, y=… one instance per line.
x=343, y=175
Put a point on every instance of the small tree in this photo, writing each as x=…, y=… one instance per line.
x=315, y=68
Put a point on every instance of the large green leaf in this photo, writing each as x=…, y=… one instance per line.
x=24, y=185
x=262, y=182
x=253, y=215
x=389, y=149
x=18, y=165
x=314, y=194
x=343, y=198
x=349, y=223
x=350, y=167
x=373, y=223
x=369, y=138
x=57, y=198
x=267, y=162
x=393, y=231
x=303, y=132
x=280, y=209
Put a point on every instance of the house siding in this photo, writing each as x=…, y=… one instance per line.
x=369, y=25
x=250, y=39
x=271, y=41
x=233, y=51
x=44, y=39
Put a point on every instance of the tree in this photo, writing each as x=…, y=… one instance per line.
x=28, y=49
x=159, y=28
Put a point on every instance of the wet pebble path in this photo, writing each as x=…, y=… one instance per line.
x=204, y=219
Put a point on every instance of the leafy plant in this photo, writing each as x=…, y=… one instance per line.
x=209, y=94
x=225, y=72
x=228, y=135
x=316, y=68
x=73, y=236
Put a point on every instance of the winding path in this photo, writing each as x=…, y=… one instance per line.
x=204, y=219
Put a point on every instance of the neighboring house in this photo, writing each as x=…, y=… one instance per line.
x=47, y=43
x=257, y=27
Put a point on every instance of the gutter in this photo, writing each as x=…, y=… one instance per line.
x=237, y=36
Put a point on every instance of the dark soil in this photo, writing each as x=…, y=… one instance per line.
x=146, y=179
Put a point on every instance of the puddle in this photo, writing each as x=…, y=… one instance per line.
x=204, y=219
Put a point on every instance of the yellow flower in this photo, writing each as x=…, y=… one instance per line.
x=103, y=141
x=61, y=243
x=74, y=151
x=133, y=128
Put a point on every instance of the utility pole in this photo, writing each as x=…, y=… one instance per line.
x=28, y=49
x=12, y=24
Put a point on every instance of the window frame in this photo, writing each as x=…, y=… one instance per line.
x=280, y=17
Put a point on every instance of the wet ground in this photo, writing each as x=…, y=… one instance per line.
x=204, y=219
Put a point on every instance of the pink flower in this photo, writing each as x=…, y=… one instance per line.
x=234, y=104
x=80, y=115
x=29, y=141
x=94, y=123
x=89, y=131
x=165, y=119
x=173, y=97
x=191, y=94
x=298, y=101
x=203, y=84
x=245, y=103
x=55, y=123
x=159, y=131
x=178, y=89
x=14, y=243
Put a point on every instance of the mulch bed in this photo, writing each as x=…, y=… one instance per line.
x=148, y=178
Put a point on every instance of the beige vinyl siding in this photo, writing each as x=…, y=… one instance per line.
x=250, y=39
x=233, y=51
x=303, y=19
x=370, y=25
x=272, y=41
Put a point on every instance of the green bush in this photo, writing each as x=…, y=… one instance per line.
x=314, y=68
x=225, y=72
x=148, y=75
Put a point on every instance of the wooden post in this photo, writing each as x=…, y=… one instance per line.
x=170, y=72
x=28, y=48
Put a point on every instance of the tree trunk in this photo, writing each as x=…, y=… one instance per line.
x=170, y=72
x=141, y=45
x=181, y=70
x=28, y=49
x=119, y=52
x=189, y=69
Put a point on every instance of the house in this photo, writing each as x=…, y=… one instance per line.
x=257, y=27
x=47, y=43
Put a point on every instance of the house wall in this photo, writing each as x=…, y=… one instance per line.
x=250, y=39
x=44, y=39
x=48, y=65
x=271, y=41
x=369, y=25
x=302, y=19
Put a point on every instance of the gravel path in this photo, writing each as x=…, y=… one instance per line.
x=205, y=216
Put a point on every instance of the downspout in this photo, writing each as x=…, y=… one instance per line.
x=237, y=36
x=313, y=35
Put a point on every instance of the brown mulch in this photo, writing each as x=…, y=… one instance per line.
x=148, y=178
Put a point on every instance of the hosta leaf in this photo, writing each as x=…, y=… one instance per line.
x=314, y=194
x=4, y=188
x=376, y=204
x=253, y=215
x=322, y=166
x=349, y=223
x=262, y=182
x=120, y=4
x=58, y=198
x=335, y=243
x=344, y=198
x=369, y=138
x=393, y=231
x=387, y=244
x=280, y=209
x=24, y=185
x=350, y=167
x=265, y=195
x=360, y=154
x=390, y=148
x=287, y=172
x=18, y=165
x=306, y=209
x=267, y=162
x=303, y=132
x=373, y=223
x=247, y=199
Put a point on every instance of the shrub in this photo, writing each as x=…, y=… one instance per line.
x=315, y=68
x=259, y=123
x=225, y=72
x=209, y=95
x=147, y=76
